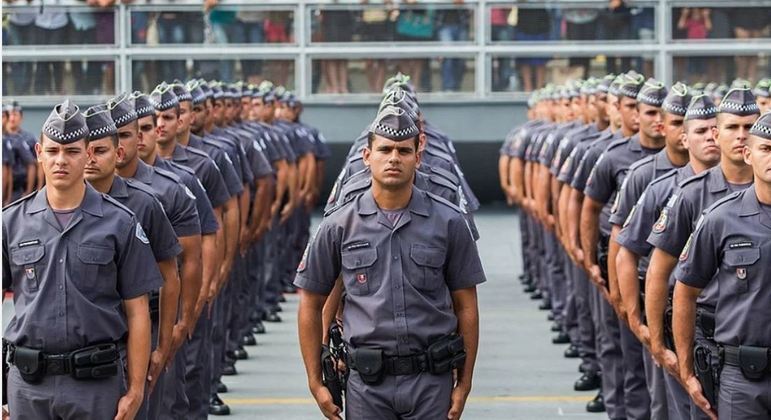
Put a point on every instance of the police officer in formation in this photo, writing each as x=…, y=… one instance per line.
x=614, y=176
x=395, y=260
x=170, y=224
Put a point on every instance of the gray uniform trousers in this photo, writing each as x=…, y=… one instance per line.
x=239, y=309
x=197, y=354
x=654, y=378
x=610, y=358
x=586, y=306
x=168, y=399
x=570, y=313
x=636, y=398
x=64, y=397
x=408, y=397
x=556, y=276
x=741, y=398
x=700, y=340
x=218, y=333
x=678, y=401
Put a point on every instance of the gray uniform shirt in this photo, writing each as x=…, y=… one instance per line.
x=398, y=279
x=148, y=210
x=178, y=200
x=206, y=216
x=609, y=173
x=205, y=170
x=69, y=282
x=731, y=247
x=223, y=162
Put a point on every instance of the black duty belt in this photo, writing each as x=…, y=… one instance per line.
x=84, y=363
x=399, y=365
x=754, y=362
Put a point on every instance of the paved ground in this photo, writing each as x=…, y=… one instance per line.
x=519, y=374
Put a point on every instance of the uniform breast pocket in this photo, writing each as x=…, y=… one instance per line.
x=28, y=266
x=95, y=267
x=428, y=270
x=742, y=265
x=359, y=274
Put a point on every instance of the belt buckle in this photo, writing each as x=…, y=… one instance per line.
x=403, y=365
x=57, y=364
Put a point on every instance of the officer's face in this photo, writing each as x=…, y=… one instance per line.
x=627, y=107
x=246, y=107
x=14, y=120
x=392, y=163
x=758, y=155
x=611, y=109
x=199, y=117
x=764, y=104
x=567, y=110
x=600, y=106
x=731, y=134
x=185, y=117
x=168, y=122
x=577, y=107
x=146, y=137
x=700, y=141
x=218, y=111
x=227, y=114
x=127, y=137
x=62, y=164
x=673, y=132
x=651, y=121
x=103, y=156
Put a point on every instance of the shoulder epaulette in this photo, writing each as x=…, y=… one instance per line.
x=729, y=198
x=21, y=199
x=644, y=161
x=669, y=174
x=616, y=144
x=445, y=202
x=168, y=174
x=692, y=179
x=445, y=174
x=436, y=179
x=118, y=204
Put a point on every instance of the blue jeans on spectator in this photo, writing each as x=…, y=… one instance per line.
x=452, y=68
x=221, y=36
x=248, y=33
x=20, y=72
x=504, y=71
x=172, y=31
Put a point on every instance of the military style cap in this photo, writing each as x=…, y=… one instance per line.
x=677, y=100
x=652, y=93
x=122, y=110
x=615, y=86
x=573, y=89
x=182, y=92
x=394, y=124
x=99, y=122
x=631, y=83
x=143, y=106
x=701, y=108
x=604, y=84
x=719, y=92
x=401, y=80
x=762, y=126
x=589, y=87
x=229, y=92
x=163, y=97
x=701, y=86
x=741, y=83
x=532, y=99
x=216, y=90
x=12, y=106
x=65, y=124
x=762, y=88
x=709, y=89
x=266, y=92
x=197, y=95
x=403, y=103
x=205, y=88
x=739, y=101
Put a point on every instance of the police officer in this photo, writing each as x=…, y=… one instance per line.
x=762, y=95
x=676, y=222
x=434, y=297
x=602, y=186
x=703, y=154
x=730, y=247
x=179, y=204
x=104, y=152
x=25, y=179
x=8, y=159
x=81, y=268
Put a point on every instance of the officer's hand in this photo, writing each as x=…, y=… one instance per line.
x=458, y=398
x=595, y=275
x=326, y=405
x=578, y=253
x=643, y=334
x=693, y=386
x=157, y=363
x=128, y=406
x=6, y=414
x=668, y=360
x=178, y=337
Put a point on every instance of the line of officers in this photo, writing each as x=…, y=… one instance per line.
x=168, y=229
x=647, y=230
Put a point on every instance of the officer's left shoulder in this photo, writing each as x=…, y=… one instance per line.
x=441, y=181
x=647, y=160
x=141, y=188
x=197, y=151
x=114, y=208
x=445, y=204
x=726, y=205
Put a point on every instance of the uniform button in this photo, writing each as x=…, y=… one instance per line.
x=397, y=286
x=396, y=258
x=61, y=260
x=61, y=286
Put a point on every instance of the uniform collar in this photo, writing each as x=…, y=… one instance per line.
x=750, y=205
x=144, y=173
x=717, y=182
x=195, y=141
x=634, y=143
x=418, y=203
x=119, y=188
x=91, y=204
x=179, y=154
x=661, y=161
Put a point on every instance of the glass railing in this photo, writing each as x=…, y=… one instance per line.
x=343, y=49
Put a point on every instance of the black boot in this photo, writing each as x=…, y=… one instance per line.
x=217, y=407
x=597, y=405
x=248, y=340
x=588, y=382
x=221, y=388
x=258, y=328
x=561, y=338
x=572, y=352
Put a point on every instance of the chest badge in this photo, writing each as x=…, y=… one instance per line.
x=361, y=278
x=741, y=273
x=30, y=272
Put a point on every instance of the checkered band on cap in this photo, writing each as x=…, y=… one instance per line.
x=65, y=124
x=163, y=97
x=762, y=88
x=701, y=108
x=762, y=126
x=739, y=101
x=142, y=104
x=394, y=124
x=677, y=100
x=182, y=92
x=122, y=110
x=197, y=95
x=99, y=122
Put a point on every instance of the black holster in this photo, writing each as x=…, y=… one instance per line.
x=445, y=354
x=706, y=373
x=602, y=258
x=95, y=362
x=705, y=320
x=754, y=363
x=330, y=376
x=669, y=338
x=369, y=363
x=6, y=369
x=31, y=364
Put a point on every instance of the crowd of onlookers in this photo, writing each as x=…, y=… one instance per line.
x=404, y=21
